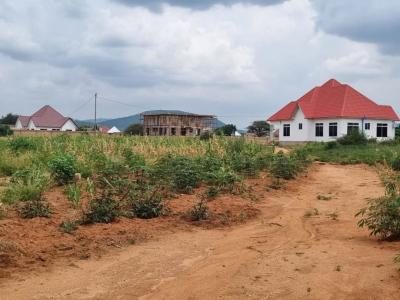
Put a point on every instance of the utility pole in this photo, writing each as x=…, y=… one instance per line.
x=95, y=112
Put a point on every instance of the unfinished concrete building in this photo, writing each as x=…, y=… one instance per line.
x=164, y=123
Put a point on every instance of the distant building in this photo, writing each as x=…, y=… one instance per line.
x=331, y=111
x=114, y=130
x=46, y=119
x=176, y=123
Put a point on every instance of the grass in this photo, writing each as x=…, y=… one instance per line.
x=371, y=153
x=311, y=213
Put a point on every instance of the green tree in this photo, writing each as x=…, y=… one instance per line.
x=226, y=130
x=9, y=119
x=134, y=129
x=5, y=130
x=259, y=128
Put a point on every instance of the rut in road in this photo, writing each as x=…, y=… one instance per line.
x=281, y=255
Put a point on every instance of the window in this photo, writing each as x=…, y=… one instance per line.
x=381, y=130
x=319, y=129
x=332, y=129
x=173, y=131
x=351, y=127
x=367, y=126
x=300, y=126
x=147, y=131
x=183, y=131
x=198, y=131
x=286, y=129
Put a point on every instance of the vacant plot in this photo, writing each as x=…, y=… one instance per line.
x=68, y=201
x=279, y=255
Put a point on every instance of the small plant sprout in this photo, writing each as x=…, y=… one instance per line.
x=324, y=198
x=73, y=192
x=334, y=215
x=311, y=213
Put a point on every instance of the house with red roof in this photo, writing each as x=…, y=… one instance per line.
x=46, y=118
x=330, y=111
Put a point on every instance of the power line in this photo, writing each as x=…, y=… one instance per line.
x=80, y=107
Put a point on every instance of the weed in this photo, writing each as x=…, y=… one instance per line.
x=35, y=208
x=101, y=210
x=149, y=205
x=324, y=198
x=68, y=226
x=63, y=168
x=73, y=192
x=199, y=211
x=211, y=192
x=334, y=215
x=311, y=213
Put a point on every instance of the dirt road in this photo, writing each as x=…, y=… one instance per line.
x=280, y=255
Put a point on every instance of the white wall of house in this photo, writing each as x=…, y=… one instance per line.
x=308, y=131
x=69, y=126
x=18, y=124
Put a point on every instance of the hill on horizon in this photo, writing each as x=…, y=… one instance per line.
x=124, y=122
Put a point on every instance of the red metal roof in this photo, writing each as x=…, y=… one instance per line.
x=45, y=117
x=335, y=100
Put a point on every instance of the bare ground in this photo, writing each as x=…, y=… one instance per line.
x=279, y=255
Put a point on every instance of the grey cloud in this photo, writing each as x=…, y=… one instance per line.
x=203, y=4
x=371, y=21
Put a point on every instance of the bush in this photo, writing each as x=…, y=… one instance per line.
x=181, y=173
x=19, y=144
x=211, y=192
x=355, y=137
x=395, y=163
x=199, y=211
x=282, y=167
x=206, y=135
x=68, y=226
x=331, y=145
x=134, y=161
x=35, y=208
x=149, y=205
x=5, y=130
x=382, y=215
x=101, y=210
x=63, y=168
x=25, y=185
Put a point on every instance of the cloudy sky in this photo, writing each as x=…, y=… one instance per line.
x=238, y=59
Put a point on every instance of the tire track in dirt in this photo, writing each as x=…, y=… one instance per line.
x=300, y=258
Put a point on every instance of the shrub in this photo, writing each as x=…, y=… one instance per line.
x=395, y=162
x=181, y=173
x=282, y=167
x=206, y=135
x=19, y=144
x=211, y=192
x=223, y=178
x=149, y=205
x=355, y=137
x=331, y=145
x=5, y=130
x=35, y=208
x=134, y=160
x=382, y=215
x=199, y=212
x=63, y=168
x=101, y=210
x=25, y=185
x=68, y=226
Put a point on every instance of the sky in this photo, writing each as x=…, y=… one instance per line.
x=240, y=60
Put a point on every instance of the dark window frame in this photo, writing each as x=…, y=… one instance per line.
x=333, y=129
x=382, y=130
x=300, y=126
x=286, y=129
x=367, y=126
x=319, y=129
x=352, y=126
